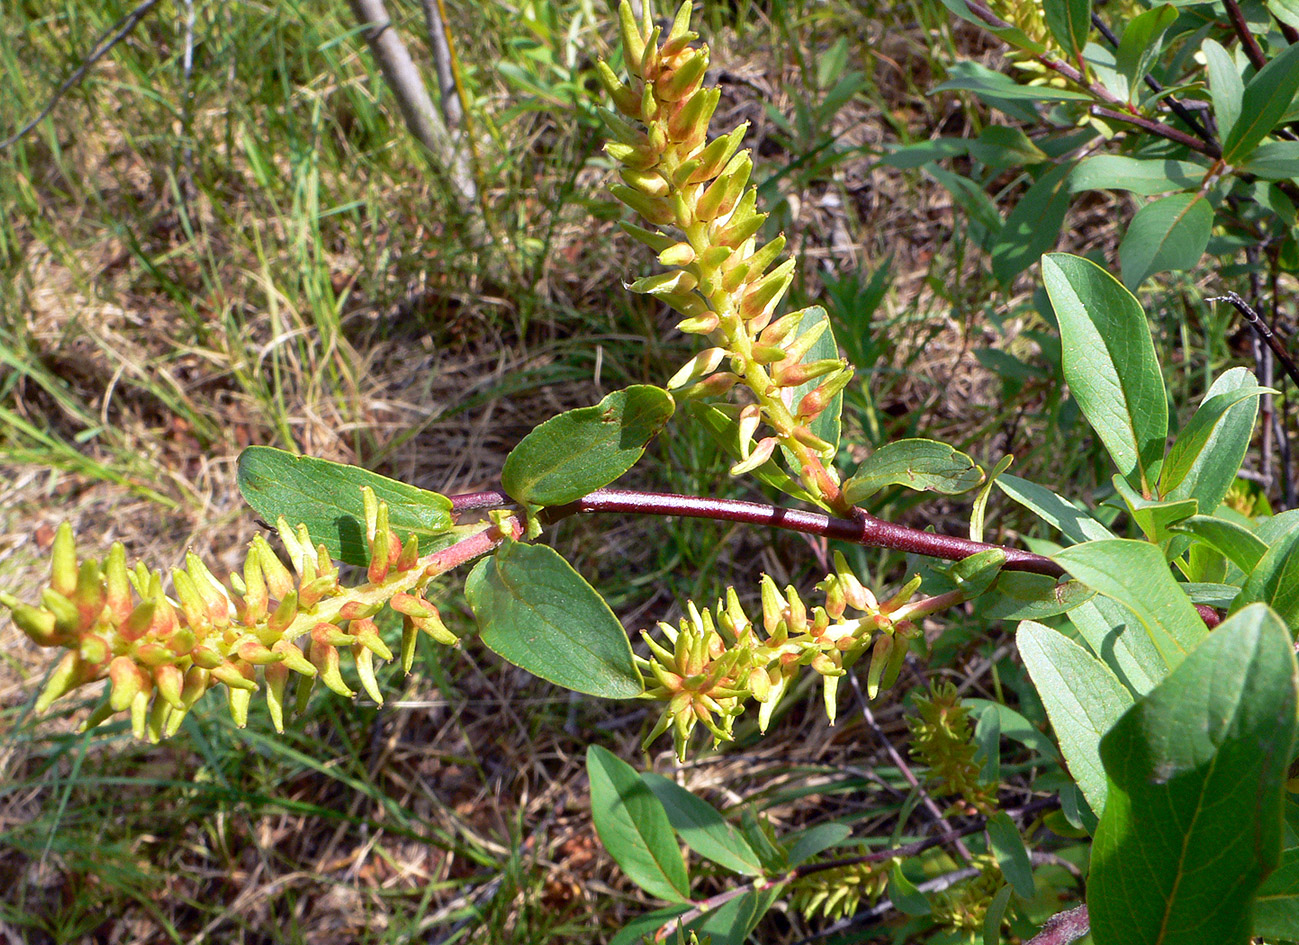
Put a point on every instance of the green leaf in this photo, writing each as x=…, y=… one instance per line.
x=988, y=84
x=1207, y=454
x=904, y=895
x=1267, y=97
x=1147, y=177
x=702, y=827
x=724, y=431
x=1013, y=726
x=635, y=931
x=585, y=449
x=825, y=426
x=816, y=840
x=1276, y=908
x=732, y=921
x=634, y=827
x=1275, y=580
x=1275, y=160
x=1154, y=517
x=536, y=612
x=1192, y=824
x=1136, y=574
x=1057, y=511
x=1168, y=233
x=1012, y=35
x=996, y=912
x=1019, y=595
x=1033, y=227
x=326, y=497
x=1083, y=700
x=1110, y=365
x=917, y=464
x=1238, y=544
x=1069, y=22
x=1226, y=88
x=1141, y=43
x=1012, y=855
x=1004, y=146
x=1287, y=11
x=1116, y=636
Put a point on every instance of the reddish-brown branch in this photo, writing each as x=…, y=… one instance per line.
x=865, y=529
x=1063, y=927
x=1246, y=36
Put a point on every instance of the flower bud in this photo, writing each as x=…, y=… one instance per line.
x=38, y=624
x=170, y=680
x=279, y=581
x=720, y=197
x=633, y=41
x=678, y=254
x=744, y=222
x=409, y=637
x=640, y=156
x=702, y=364
x=717, y=155
x=624, y=99
x=815, y=401
x=291, y=656
x=277, y=677
x=685, y=79
x=363, y=658
x=326, y=634
x=656, y=210
x=127, y=681
x=648, y=182
x=67, y=675
x=234, y=676
x=325, y=658
x=664, y=283
x=239, y=700
x=763, y=295
x=702, y=324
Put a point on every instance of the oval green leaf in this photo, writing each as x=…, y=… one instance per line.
x=585, y=449
x=1136, y=575
x=1236, y=543
x=1275, y=580
x=634, y=827
x=1207, y=454
x=1012, y=856
x=1033, y=227
x=1147, y=177
x=702, y=827
x=1266, y=99
x=1109, y=362
x=326, y=497
x=917, y=464
x=1169, y=233
x=1069, y=22
x=1083, y=700
x=1196, y=771
x=535, y=611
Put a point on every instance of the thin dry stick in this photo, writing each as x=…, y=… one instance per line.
x=1063, y=927
x=1264, y=331
x=118, y=32
x=452, y=110
x=421, y=117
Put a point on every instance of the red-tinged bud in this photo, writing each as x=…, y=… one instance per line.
x=763, y=295
x=277, y=677
x=326, y=634
x=773, y=606
x=796, y=612
x=170, y=681
x=153, y=654
x=720, y=197
x=761, y=453
x=215, y=597
x=678, y=254
x=768, y=354
x=285, y=613
x=623, y=133
x=702, y=364
x=311, y=594
x=364, y=662
x=815, y=401
x=63, y=561
x=408, y=557
x=690, y=126
x=811, y=440
x=256, y=599
x=356, y=610
x=89, y=596
x=703, y=324
x=664, y=283
x=127, y=681
x=38, y=624
x=326, y=662
x=68, y=675
x=381, y=550
x=648, y=104
x=139, y=621
x=715, y=386
x=718, y=153
x=182, y=641
x=656, y=210
x=164, y=617
x=101, y=714
x=279, y=580
x=836, y=601
x=904, y=594
x=825, y=665
x=197, y=682
x=764, y=257
x=67, y=619
x=624, y=99
x=206, y=658
x=192, y=604
x=117, y=586
x=156, y=725
x=880, y=654
x=236, y=676
x=685, y=79
x=367, y=635
x=94, y=650
x=258, y=653
x=789, y=374
x=291, y=655
x=650, y=64
x=633, y=41
x=743, y=223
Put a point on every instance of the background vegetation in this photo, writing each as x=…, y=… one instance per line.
x=250, y=249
